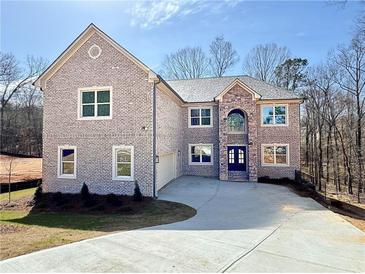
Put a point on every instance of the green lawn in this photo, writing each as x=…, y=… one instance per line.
x=15, y=195
x=23, y=231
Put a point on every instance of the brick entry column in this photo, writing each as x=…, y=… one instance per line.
x=238, y=98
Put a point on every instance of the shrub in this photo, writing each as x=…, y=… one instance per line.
x=113, y=200
x=38, y=194
x=85, y=194
x=90, y=202
x=58, y=198
x=137, y=193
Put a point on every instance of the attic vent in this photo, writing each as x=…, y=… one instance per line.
x=94, y=51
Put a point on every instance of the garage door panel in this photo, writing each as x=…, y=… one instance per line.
x=166, y=169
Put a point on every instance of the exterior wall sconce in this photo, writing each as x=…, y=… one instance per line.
x=157, y=160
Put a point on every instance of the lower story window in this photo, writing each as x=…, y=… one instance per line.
x=67, y=162
x=200, y=154
x=277, y=155
x=123, y=157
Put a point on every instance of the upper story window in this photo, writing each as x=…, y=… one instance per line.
x=67, y=162
x=200, y=117
x=95, y=103
x=274, y=115
x=236, y=121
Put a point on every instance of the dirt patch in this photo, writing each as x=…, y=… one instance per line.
x=7, y=228
x=355, y=215
x=23, y=169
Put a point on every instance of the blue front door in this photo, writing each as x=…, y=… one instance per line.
x=237, y=158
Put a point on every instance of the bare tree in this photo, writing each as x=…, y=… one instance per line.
x=13, y=79
x=351, y=62
x=186, y=63
x=262, y=61
x=9, y=167
x=222, y=56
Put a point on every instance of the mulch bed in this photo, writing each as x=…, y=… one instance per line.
x=111, y=203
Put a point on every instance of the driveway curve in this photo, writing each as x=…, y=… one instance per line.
x=239, y=227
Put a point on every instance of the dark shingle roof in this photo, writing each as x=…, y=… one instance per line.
x=206, y=89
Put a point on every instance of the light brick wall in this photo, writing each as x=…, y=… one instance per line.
x=169, y=128
x=238, y=98
x=204, y=136
x=132, y=111
x=281, y=135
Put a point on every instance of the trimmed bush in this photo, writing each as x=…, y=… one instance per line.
x=137, y=193
x=85, y=194
x=38, y=194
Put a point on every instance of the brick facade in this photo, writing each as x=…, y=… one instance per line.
x=132, y=124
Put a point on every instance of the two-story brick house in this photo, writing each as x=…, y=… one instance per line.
x=109, y=121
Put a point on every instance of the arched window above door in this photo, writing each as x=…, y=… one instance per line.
x=236, y=121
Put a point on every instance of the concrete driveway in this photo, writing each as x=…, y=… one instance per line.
x=239, y=227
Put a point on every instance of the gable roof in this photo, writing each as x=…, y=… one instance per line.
x=77, y=43
x=207, y=89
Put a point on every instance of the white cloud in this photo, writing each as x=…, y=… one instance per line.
x=149, y=14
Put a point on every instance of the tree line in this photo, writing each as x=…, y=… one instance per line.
x=21, y=105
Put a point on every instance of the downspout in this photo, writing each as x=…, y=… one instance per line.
x=154, y=132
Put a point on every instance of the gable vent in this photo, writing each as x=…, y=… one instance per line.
x=94, y=51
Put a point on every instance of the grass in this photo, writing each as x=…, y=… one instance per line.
x=16, y=195
x=23, y=231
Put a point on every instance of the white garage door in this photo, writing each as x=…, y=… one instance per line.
x=166, y=169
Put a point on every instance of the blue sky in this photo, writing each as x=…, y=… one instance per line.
x=152, y=29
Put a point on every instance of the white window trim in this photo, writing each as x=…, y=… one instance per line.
x=59, y=163
x=201, y=163
x=95, y=89
x=114, y=169
x=200, y=118
x=273, y=106
x=275, y=164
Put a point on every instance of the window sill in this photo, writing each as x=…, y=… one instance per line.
x=125, y=179
x=275, y=125
x=201, y=126
x=236, y=132
x=275, y=165
x=72, y=177
x=200, y=164
x=95, y=118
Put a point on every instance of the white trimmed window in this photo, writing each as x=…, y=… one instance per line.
x=200, y=154
x=274, y=115
x=275, y=155
x=123, y=163
x=67, y=162
x=201, y=117
x=95, y=103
